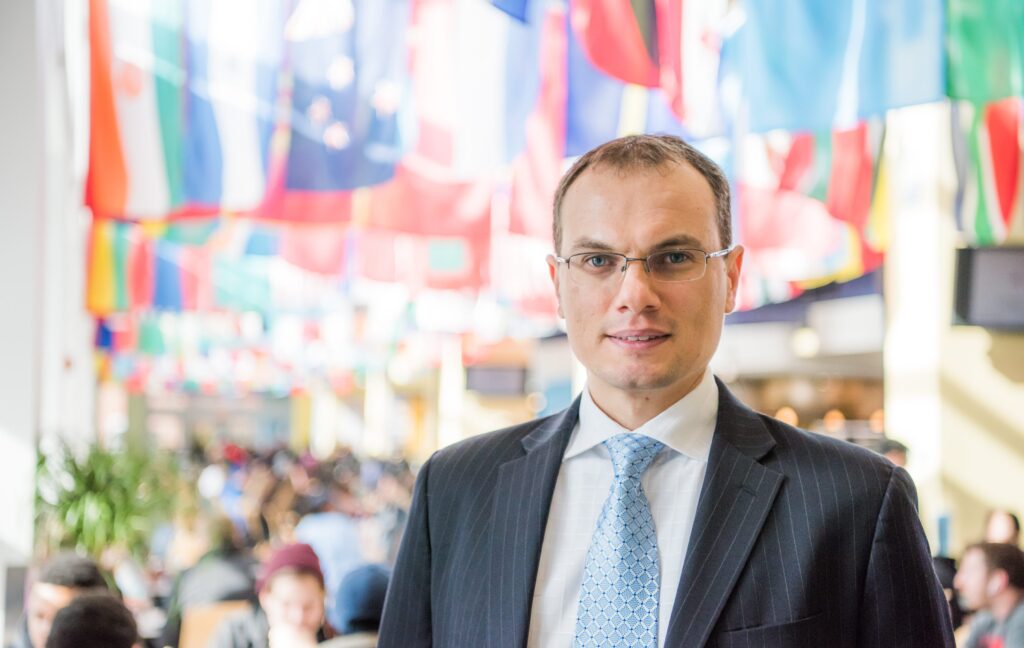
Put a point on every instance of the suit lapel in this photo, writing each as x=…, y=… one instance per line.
x=519, y=516
x=735, y=500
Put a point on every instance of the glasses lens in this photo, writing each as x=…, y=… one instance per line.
x=677, y=265
x=594, y=266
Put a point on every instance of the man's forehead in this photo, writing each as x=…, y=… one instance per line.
x=48, y=593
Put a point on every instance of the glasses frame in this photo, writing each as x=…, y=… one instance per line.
x=646, y=265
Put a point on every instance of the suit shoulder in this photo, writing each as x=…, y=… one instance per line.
x=827, y=453
x=491, y=447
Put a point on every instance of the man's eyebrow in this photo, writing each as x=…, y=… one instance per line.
x=591, y=244
x=680, y=240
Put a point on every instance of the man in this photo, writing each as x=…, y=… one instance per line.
x=658, y=510
x=63, y=578
x=991, y=581
x=895, y=452
x=291, y=610
x=1002, y=526
x=95, y=620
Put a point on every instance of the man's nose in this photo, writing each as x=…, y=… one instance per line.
x=636, y=290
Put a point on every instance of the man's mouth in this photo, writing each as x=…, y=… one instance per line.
x=638, y=338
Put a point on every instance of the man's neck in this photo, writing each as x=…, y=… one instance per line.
x=1002, y=606
x=633, y=409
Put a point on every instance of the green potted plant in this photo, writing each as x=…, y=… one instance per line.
x=99, y=499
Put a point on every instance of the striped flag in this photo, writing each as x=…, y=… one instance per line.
x=135, y=120
x=234, y=55
x=987, y=143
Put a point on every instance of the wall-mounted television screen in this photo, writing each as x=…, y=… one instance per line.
x=990, y=288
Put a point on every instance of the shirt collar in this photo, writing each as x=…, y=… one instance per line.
x=686, y=426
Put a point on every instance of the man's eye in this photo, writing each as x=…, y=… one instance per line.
x=597, y=260
x=677, y=257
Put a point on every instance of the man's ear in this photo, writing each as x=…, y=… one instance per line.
x=553, y=273
x=733, y=266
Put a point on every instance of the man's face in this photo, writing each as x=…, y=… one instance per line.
x=43, y=604
x=1001, y=529
x=973, y=580
x=636, y=213
x=295, y=601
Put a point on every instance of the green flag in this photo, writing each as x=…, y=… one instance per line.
x=985, y=49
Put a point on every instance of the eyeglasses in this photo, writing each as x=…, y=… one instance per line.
x=669, y=266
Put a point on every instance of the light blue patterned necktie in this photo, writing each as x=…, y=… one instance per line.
x=621, y=580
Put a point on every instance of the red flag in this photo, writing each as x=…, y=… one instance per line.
x=424, y=199
x=141, y=271
x=614, y=40
x=1003, y=121
x=317, y=248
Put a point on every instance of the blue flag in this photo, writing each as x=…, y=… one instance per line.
x=234, y=52
x=515, y=8
x=349, y=93
x=815, y=66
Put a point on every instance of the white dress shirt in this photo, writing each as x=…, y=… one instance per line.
x=672, y=484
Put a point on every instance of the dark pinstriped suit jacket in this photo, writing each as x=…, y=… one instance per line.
x=799, y=540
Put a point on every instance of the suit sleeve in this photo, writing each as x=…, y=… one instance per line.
x=903, y=603
x=406, y=621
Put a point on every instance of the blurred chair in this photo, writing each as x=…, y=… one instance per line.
x=198, y=623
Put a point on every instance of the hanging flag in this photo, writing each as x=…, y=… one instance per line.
x=520, y=276
x=167, y=289
x=141, y=272
x=241, y=284
x=516, y=8
x=536, y=173
x=476, y=76
x=427, y=200
x=600, y=108
x=692, y=34
x=620, y=38
x=987, y=145
x=234, y=55
x=350, y=85
x=135, y=125
x=985, y=50
x=317, y=248
x=101, y=292
x=851, y=60
x=422, y=262
x=811, y=210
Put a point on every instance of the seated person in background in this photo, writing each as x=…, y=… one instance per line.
x=991, y=581
x=94, y=620
x=291, y=605
x=225, y=573
x=61, y=580
x=359, y=604
x=1002, y=526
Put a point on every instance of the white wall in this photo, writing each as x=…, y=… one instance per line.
x=46, y=372
x=21, y=227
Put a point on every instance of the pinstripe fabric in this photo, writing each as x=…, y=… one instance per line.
x=799, y=540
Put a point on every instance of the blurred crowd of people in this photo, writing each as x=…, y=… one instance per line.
x=279, y=550
x=267, y=549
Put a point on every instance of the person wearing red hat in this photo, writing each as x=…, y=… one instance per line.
x=291, y=605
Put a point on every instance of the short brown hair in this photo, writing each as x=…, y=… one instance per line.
x=649, y=152
x=1002, y=556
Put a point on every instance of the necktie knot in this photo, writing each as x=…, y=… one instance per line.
x=631, y=454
